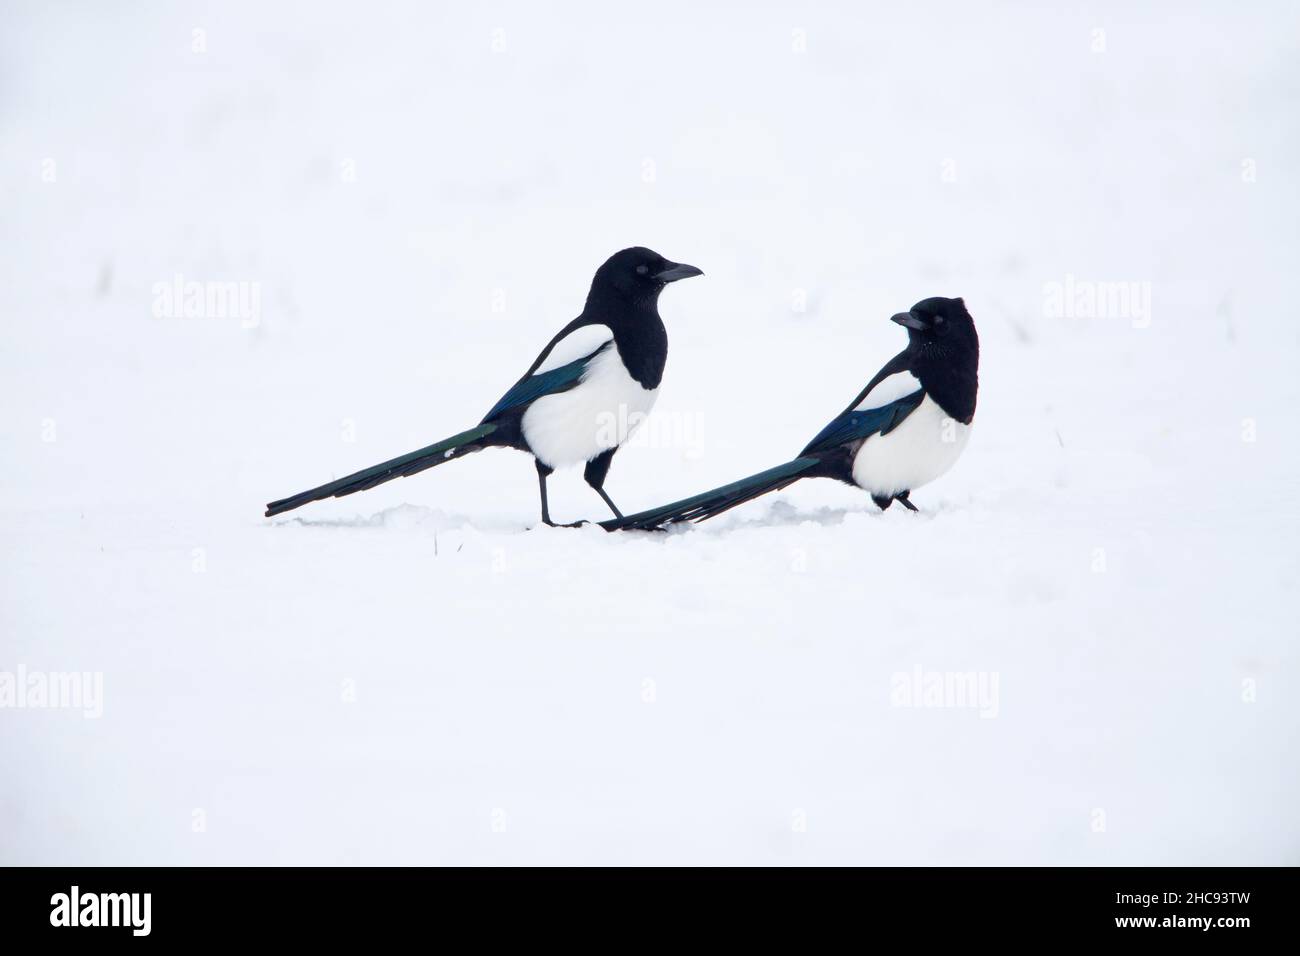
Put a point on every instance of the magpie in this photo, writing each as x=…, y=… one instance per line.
x=580, y=400
x=906, y=428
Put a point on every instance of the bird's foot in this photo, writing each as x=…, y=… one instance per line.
x=572, y=524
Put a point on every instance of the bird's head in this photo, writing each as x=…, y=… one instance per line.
x=940, y=325
x=639, y=274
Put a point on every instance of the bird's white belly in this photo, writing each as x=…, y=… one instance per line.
x=918, y=451
x=594, y=416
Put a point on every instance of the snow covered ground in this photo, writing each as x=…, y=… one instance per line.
x=414, y=197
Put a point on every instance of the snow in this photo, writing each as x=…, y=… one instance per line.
x=412, y=200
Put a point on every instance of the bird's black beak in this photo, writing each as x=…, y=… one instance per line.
x=676, y=270
x=911, y=320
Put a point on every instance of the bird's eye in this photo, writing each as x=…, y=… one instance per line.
x=938, y=320
x=642, y=269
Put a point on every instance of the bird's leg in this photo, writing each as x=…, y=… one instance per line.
x=882, y=501
x=902, y=500
x=543, y=472
x=612, y=507
x=595, y=473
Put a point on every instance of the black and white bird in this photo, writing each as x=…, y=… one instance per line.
x=905, y=429
x=581, y=398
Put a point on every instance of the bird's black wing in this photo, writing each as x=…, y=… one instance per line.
x=901, y=362
x=856, y=423
x=583, y=338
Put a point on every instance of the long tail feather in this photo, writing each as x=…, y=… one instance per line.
x=409, y=464
x=715, y=502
